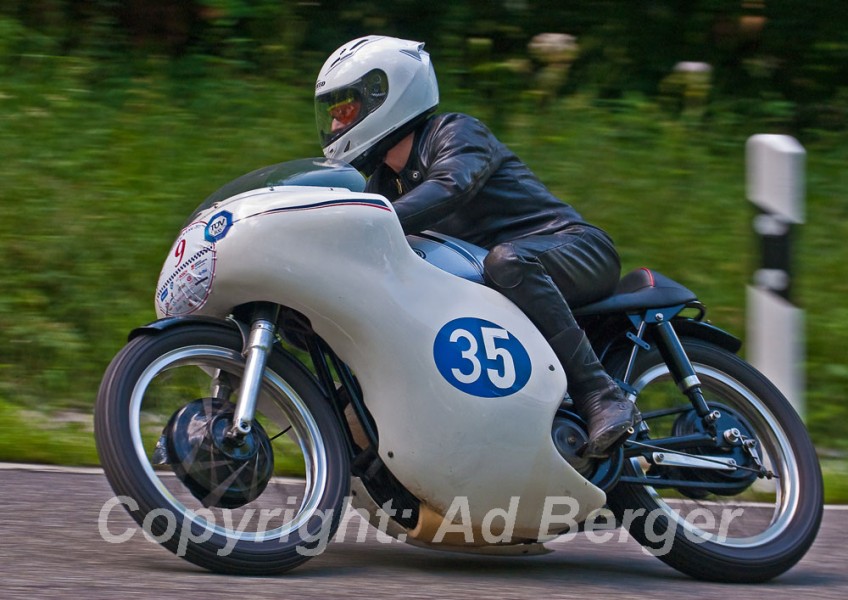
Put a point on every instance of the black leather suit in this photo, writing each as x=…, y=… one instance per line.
x=461, y=181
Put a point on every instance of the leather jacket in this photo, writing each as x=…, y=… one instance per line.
x=461, y=181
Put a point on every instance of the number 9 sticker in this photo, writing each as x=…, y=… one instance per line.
x=481, y=358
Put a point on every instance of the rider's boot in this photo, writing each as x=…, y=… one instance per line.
x=597, y=398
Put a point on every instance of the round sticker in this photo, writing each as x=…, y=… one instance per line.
x=186, y=277
x=218, y=226
x=481, y=358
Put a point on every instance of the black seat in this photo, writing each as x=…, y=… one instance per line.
x=639, y=289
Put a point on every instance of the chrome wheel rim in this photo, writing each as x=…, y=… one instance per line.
x=278, y=399
x=783, y=499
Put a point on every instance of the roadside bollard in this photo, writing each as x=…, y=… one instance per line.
x=775, y=326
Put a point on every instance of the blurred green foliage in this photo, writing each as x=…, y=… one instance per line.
x=118, y=118
x=775, y=51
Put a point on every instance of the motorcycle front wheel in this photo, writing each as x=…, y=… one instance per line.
x=256, y=509
x=728, y=525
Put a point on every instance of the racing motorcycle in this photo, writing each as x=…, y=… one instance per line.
x=308, y=355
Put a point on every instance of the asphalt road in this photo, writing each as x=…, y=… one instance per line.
x=51, y=547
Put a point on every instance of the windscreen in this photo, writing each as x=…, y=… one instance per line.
x=317, y=172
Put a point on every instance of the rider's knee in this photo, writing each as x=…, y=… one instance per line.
x=503, y=267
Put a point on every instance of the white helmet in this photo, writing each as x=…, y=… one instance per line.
x=370, y=94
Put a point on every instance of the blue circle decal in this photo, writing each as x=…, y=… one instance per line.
x=218, y=226
x=481, y=358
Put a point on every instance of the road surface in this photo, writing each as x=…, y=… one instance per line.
x=51, y=547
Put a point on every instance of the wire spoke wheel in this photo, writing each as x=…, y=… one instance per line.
x=730, y=523
x=261, y=505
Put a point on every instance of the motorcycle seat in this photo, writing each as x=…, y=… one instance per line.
x=640, y=289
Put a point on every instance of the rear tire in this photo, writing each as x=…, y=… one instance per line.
x=779, y=519
x=156, y=373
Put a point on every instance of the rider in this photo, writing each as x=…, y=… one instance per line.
x=375, y=105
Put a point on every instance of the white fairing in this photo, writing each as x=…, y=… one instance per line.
x=463, y=408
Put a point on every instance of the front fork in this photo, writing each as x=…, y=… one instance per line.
x=681, y=369
x=257, y=348
x=672, y=352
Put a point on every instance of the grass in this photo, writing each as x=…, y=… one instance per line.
x=99, y=172
x=35, y=437
x=835, y=473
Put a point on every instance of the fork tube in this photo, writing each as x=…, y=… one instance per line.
x=221, y=386
x=680, y=366
x=258, y=348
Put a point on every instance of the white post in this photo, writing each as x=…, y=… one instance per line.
x=775, y=327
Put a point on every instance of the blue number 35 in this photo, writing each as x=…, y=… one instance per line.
x=481, y=358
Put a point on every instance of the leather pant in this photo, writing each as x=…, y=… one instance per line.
x=544, y=275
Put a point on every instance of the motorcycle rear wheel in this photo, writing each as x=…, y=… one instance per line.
x=158, y=373
x=749, y=532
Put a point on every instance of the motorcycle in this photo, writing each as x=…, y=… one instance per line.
x=301, y=332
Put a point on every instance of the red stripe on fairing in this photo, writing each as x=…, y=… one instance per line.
x=650, y=275
x=341, y=204
x=330, y=204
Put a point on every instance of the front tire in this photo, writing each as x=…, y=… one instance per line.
x=290, y=521
x=750, y=531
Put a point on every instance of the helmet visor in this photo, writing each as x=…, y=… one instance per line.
x=337, y=112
